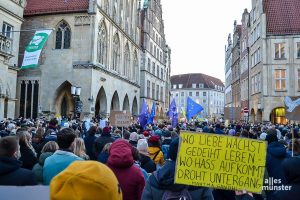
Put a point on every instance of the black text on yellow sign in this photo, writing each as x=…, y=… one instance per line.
x=220, y=161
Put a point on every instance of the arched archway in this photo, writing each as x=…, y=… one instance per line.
x=252, y=115
x=115, y=102
x=101, y=103
x=259, y=115
x=64, y=104
x=126, y=103
x=134, y=107
x=277, y=116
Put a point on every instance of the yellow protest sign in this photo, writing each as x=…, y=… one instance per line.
x=220, y=161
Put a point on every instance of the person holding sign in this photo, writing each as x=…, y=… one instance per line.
x=160, y=184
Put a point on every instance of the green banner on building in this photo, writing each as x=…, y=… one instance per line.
x=33, y=50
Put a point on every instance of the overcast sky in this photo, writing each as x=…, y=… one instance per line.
x=197, y=31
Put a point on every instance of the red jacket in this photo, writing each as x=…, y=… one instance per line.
x=130, y=177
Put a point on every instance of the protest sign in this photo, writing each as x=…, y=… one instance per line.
x=220, y=161
x=120, y=118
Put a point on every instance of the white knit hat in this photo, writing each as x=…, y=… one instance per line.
x=142, y=146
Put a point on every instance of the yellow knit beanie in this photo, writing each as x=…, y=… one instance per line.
x=85, y=180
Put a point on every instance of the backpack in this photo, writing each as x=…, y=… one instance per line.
x=175, y=195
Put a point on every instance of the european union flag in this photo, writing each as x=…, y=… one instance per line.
x=143, y=117
x=192, y=108
x=172, y=113
x=152, y=114
x=172, y=109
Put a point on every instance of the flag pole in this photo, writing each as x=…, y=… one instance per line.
x=29, y=30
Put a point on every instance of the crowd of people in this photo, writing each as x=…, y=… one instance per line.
x=130, y=163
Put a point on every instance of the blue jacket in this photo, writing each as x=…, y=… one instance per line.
x=276, y=153
x=155, y=187
x=56, y=163
x=291, y=170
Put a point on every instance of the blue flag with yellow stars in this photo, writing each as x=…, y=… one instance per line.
x=192, y=108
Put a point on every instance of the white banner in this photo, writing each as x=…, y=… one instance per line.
x=34, y=48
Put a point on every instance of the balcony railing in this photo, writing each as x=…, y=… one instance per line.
x=5, y=45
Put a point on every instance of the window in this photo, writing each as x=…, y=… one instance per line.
x=280, y=77
x=151, y=47
x=197, y=94
x=153, y=68
x=148, y=89
x=182, y=94
x=135, y=73
x=102, y=45
x=174, y=86
x=149, y=65
x=116, y=53
x=180, y=86
x=162, y=73
x=201, y=85
x=7, y=30
x=252, y=85
x=204, y=101
x=176, y=94
x=298, y=79
x=190, y=94
x=153, y=90
x=194, y=85
x=63, y=36
x=204, y=94
x=161, y=94
x=279, y=51
x=298, y=49
x=126, y=61
x=157, y=92
x=157, y=71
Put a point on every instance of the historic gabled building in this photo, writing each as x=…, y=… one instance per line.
x=11, y=18
x=155, y=55
x=275, y=51
x=270, y=58
x=95, y=45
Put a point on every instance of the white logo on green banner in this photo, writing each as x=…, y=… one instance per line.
x=33, y=50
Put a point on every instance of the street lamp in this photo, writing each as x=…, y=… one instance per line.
x=76, y=91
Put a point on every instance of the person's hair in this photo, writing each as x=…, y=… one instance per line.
x=24, y=138
x=245, y=134
x=106, y=148
x=126, y=135
x=93, y=130
x=9, y=145
x=79, y=148
x=65, y=138
x=53, y=122
x=50, y=146
x=135, y=154
x=40, y=132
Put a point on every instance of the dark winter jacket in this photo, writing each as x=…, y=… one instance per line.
x=147, y=164
x=103, y=157
x=28, y=158
x=11, y=173
x=38, y=168
x=155, y=187
x=130, y=176
x=276, y=153
x=89, y=142
x=291, y=170
x=100, y=142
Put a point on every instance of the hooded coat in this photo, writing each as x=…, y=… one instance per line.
x=292, y=173
x=38, y=168
x=11, y=173
x=156, y=187
x=276, y=153
x=130, y=177
x=159, y=159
